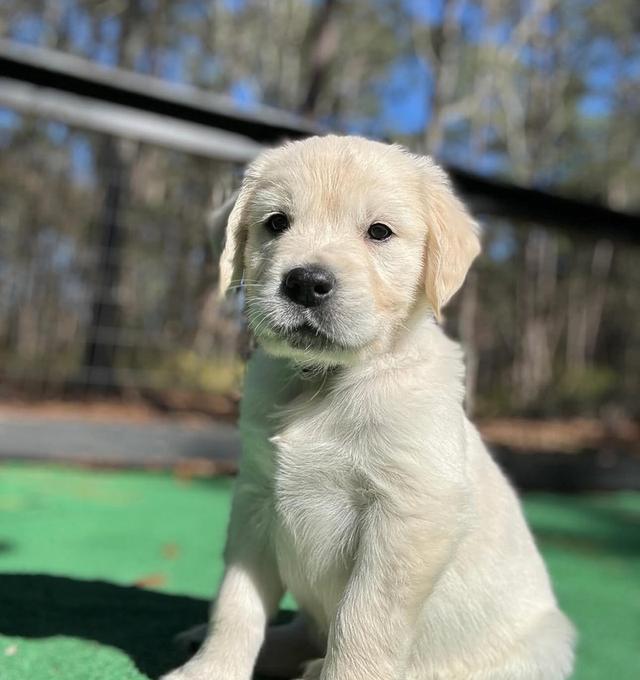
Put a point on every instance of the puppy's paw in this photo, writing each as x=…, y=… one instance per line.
x=189, y=672
x=189, y=641
x=178, y=674
x=312, y=670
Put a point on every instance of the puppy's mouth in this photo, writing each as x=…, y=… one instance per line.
x=298, y=332
x=306, y=335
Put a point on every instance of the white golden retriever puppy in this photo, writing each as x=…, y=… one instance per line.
x=363, y=488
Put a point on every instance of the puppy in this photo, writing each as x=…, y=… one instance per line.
x=363, y=489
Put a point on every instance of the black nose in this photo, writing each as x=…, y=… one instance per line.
x=308, y=286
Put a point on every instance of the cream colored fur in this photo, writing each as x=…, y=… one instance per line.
x=363, y=489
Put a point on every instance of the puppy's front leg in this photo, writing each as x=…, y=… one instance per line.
x=248, y=597
x=400, y=557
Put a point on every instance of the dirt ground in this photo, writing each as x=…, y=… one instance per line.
x=571, y=435
x=567, y=436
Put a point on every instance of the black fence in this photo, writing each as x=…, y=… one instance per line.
x=107, y=274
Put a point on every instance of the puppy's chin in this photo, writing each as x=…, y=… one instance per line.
x=336, y=335
x=307, y=346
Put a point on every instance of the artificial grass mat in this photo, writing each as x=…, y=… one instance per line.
x=98, y=571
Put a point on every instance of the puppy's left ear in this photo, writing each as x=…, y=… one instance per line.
x=452, y=240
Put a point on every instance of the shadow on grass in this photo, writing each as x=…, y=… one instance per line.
x=139, y=622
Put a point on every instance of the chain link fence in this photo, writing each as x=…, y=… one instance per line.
x=107, y=275
x=107, y=285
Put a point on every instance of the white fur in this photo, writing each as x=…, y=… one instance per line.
x=363, y=489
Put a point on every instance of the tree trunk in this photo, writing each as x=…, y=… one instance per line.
x=321, y=45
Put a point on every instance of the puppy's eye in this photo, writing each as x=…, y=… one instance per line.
x=277, y=223
x=379, y=232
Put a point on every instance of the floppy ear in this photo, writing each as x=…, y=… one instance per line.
x=452, y=241
x=231, y=220
x=227, y=222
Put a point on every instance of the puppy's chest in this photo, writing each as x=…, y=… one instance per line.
x=320, y=492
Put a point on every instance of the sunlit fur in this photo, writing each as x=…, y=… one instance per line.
x=363, y=489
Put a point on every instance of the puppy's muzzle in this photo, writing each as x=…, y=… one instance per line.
x=309, y=286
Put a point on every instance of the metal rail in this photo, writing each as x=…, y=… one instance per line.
x=114, y=101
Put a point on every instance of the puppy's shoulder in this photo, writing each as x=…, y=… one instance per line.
x=425, y=373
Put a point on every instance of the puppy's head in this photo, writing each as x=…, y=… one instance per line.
x=336, y=240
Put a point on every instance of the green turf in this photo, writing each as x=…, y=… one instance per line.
x=74, y=544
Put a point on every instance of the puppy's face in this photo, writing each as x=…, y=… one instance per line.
x=336, y=238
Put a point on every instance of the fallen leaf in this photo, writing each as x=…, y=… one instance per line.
x=151, y=581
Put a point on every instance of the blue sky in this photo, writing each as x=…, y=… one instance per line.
x=404, y=92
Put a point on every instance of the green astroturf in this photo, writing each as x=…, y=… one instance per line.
x=98, y=570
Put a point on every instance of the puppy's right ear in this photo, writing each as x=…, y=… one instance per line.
x=232, y=220
x=228, y=221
